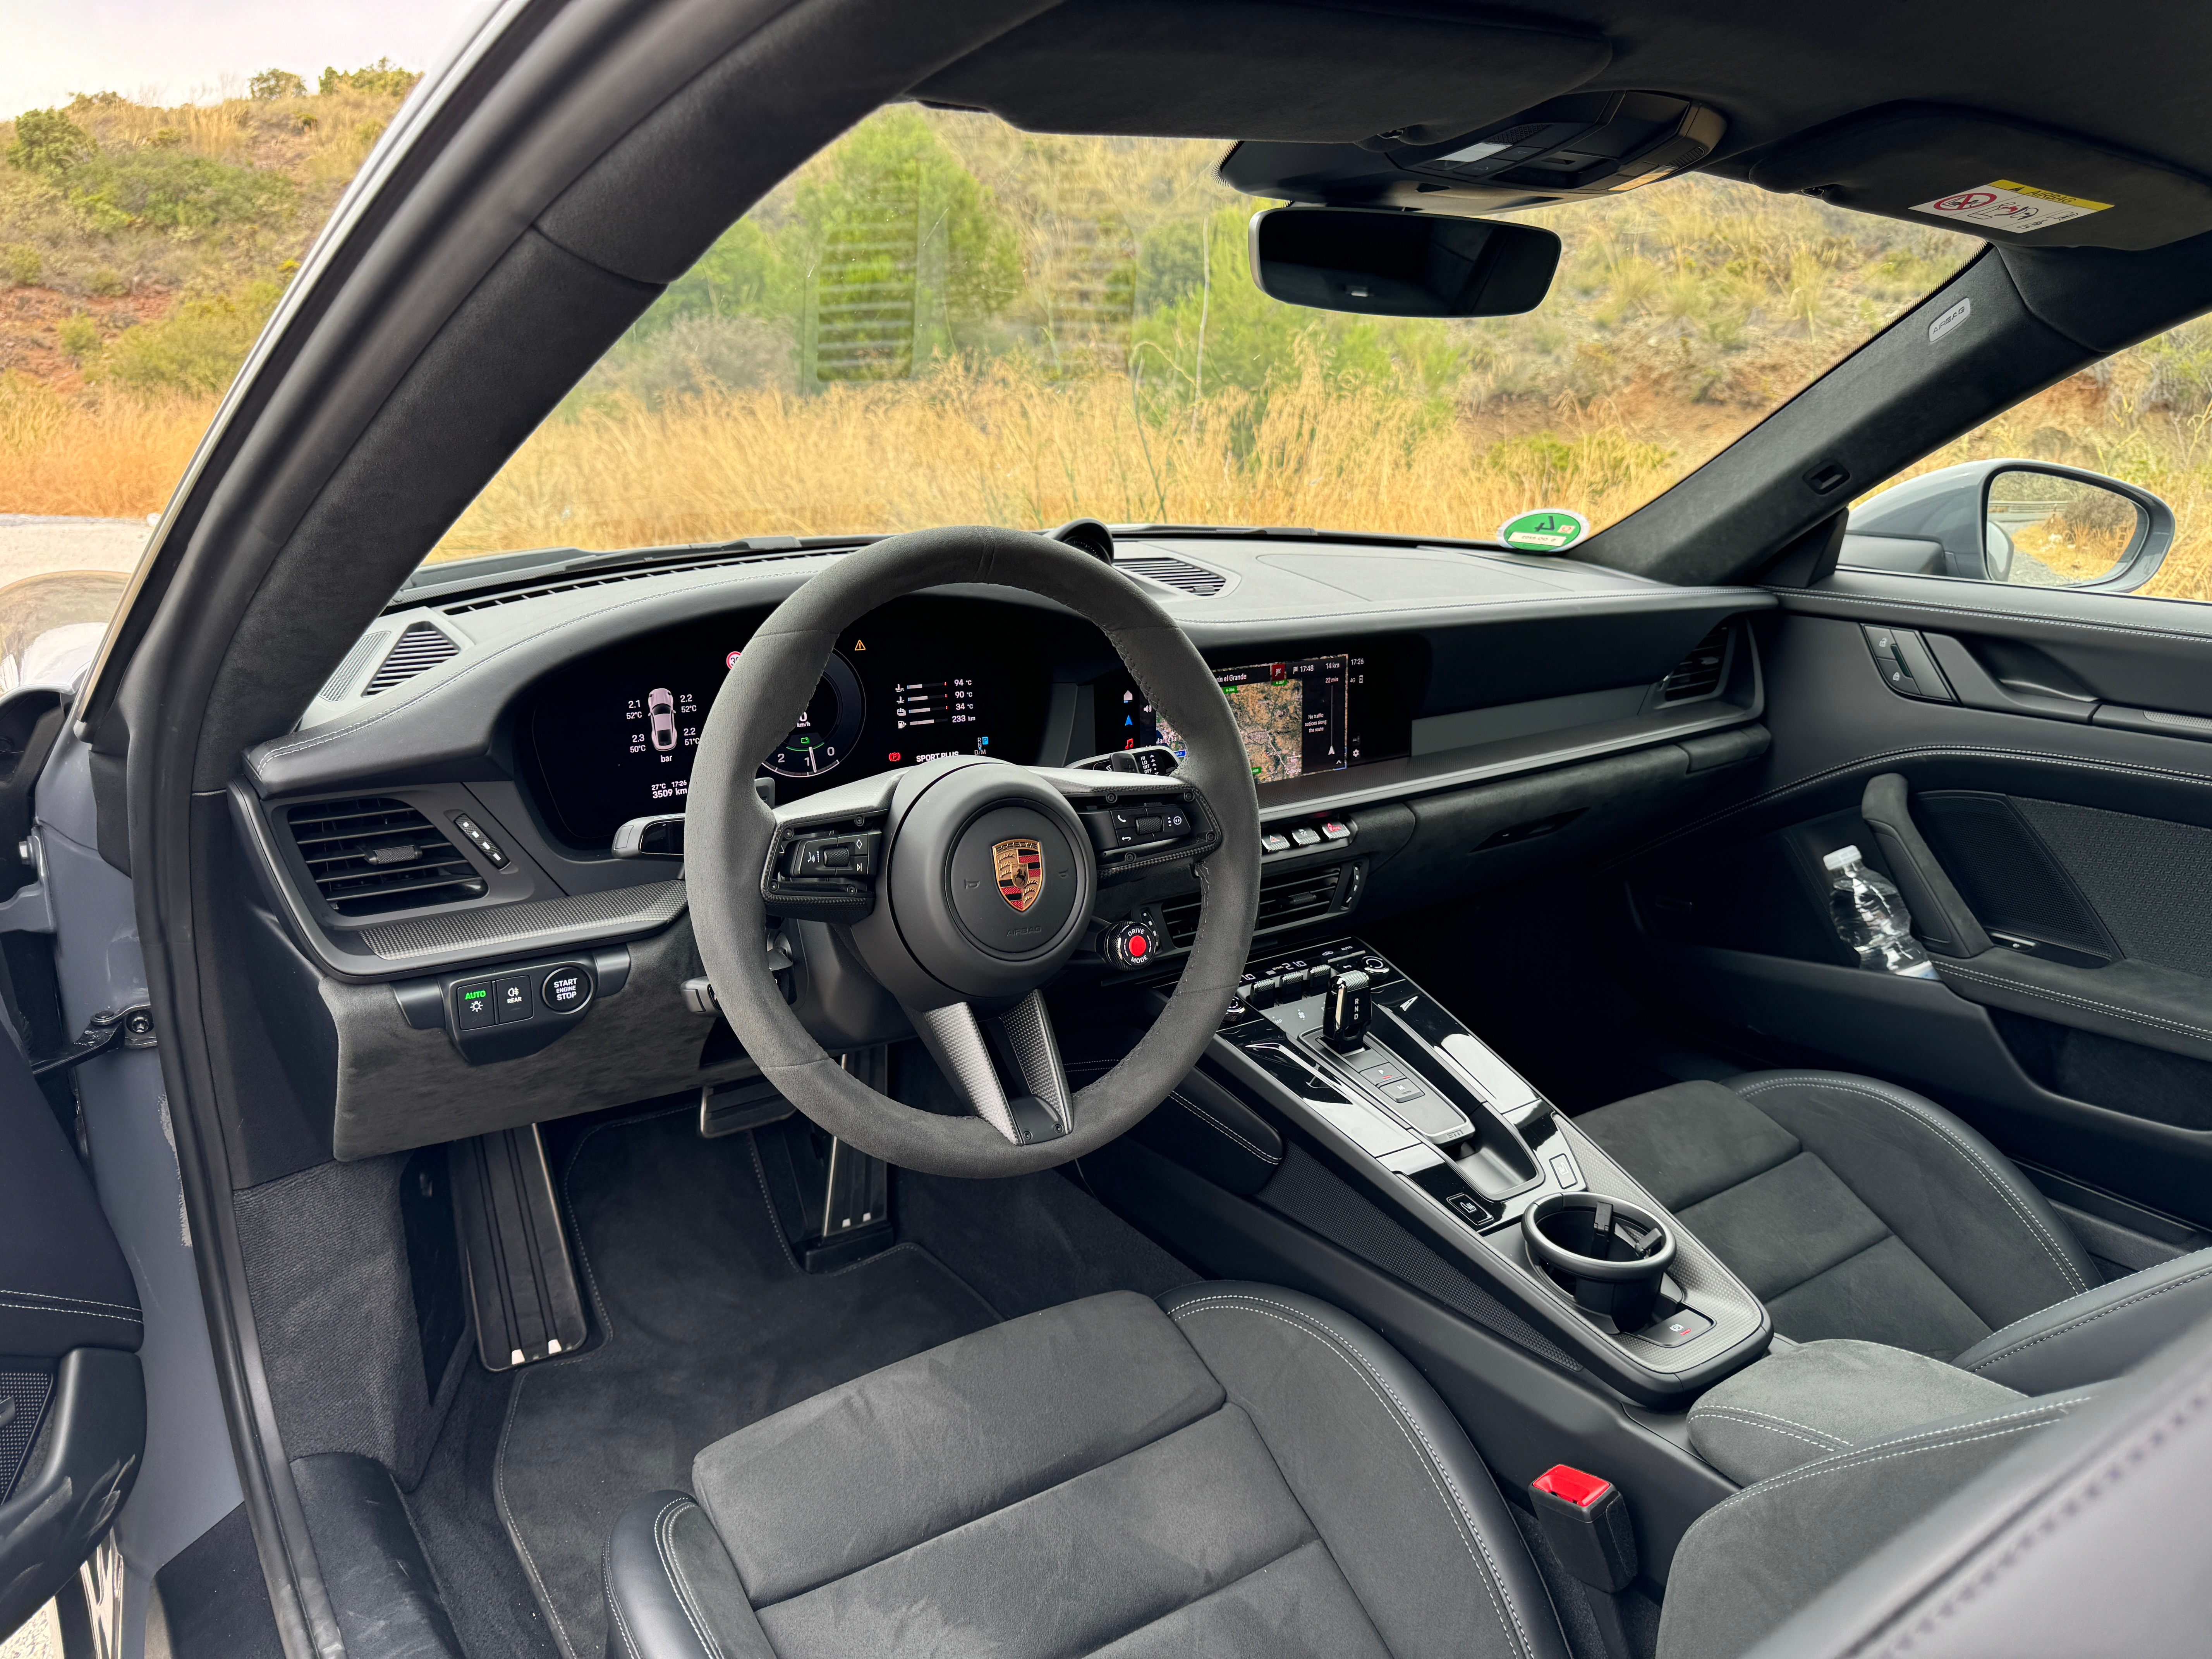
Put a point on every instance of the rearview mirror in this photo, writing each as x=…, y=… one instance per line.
x=2031, y=523
x=1390, y=263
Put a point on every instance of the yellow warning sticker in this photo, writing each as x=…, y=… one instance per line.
x=2008, y=204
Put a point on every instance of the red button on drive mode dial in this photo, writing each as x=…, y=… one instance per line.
x=1132, y=944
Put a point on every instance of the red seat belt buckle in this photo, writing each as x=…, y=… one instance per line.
x=1585, y=1519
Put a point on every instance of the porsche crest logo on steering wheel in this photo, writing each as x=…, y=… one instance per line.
x=1019, y=865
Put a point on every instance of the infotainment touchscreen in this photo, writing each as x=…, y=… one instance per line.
x=1298, y=715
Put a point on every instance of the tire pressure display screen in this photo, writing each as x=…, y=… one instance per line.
x=1298, y=715
x=612, y=737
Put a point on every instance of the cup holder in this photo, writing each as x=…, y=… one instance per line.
x=1612, y=1256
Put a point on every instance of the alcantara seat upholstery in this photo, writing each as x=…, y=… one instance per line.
x=1852, y=1208
x=1236, y=1470
x=1241, y=1471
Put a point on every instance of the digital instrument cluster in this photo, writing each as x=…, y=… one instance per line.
x=1318, y=712
x=612, y=737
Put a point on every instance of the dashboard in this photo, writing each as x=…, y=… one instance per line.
x=612, y=737
x=434, y=840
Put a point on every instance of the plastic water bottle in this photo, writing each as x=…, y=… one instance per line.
x=1869, y=915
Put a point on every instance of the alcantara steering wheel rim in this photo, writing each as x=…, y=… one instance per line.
x=732, y=839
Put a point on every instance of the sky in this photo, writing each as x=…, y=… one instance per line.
x=192, y=51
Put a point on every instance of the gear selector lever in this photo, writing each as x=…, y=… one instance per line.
x=1351, y=1005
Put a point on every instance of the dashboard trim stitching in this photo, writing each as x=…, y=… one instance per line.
x=1807, y=599
x=1872, y=763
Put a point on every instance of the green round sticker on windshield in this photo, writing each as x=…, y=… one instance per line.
x=1548, y=530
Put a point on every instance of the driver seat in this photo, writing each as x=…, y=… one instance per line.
x=1234, y=1470
x=1240, y=1470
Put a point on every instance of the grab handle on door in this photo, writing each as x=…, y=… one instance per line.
x=1946, y=926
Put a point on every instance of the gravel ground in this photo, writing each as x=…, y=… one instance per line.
x=33, y=546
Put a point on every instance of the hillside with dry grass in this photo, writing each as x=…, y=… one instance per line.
x=941, y=319
x=141, y=250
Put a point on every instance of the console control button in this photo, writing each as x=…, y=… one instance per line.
x=1333, y=830
x=473, y=1008
x=1306, y=836
x=1275, y=841
x=1381, y=1071
x=565, y=990
x=510, y=995
x=1132, y=944
x=1261, y=992
x=1403, y=1090
x=1683, y=1326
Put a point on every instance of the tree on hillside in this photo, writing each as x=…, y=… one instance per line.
x=383, y=77
x=48, y=144
x=272, y=83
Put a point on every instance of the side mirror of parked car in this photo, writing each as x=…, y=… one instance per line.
x=2033, y=524
x=1387, y=262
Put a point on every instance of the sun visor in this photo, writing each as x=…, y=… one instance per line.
x=1250, y=69
x=2007, y=182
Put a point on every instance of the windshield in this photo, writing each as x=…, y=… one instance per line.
x=943, y=320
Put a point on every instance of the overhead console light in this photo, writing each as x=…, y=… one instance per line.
x=2008, y=182
x=1591, y=145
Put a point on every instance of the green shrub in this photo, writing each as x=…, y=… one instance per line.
x=49, y=144
x=22, y=264
x=107, y=282
x=198, y=348
x=273, y=83
x=383, y=76
x=79, y=338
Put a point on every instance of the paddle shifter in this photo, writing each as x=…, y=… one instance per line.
x=1351, y=1005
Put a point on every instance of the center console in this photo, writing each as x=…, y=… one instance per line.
x=1388, y=1087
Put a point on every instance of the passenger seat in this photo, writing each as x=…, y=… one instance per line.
x=1857, y=1209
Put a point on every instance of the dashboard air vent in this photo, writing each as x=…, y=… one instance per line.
x=341, y=679
x=421, y=647
x=375, y=855
x=1289, y=898
x=1699, y=674
x=1172, y=572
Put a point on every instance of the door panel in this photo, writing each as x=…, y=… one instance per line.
x=2080, y=1036
x=72, y=1399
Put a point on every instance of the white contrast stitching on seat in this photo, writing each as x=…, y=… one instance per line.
x=2088, y=1318
x=2004, y=983
x=46, y=1305
x=664, y=1544
x=1440, y=1477
x=2036, y=1229
x=1928, y=1440
x=75, y=1301
x=1751, y=1419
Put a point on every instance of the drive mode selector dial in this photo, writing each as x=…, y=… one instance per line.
x=1132, y=944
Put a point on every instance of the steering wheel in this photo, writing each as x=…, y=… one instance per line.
x=964, y=884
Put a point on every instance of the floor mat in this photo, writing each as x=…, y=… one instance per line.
x=709, y=1324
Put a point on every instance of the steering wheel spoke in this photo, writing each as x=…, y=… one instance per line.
x=1137, y=822
x=960, y=1041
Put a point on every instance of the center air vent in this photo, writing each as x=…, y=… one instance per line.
x=1699, y=674
x=376, y=854
x=1292, y=896
x=1175, y=573
x=421, y=647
